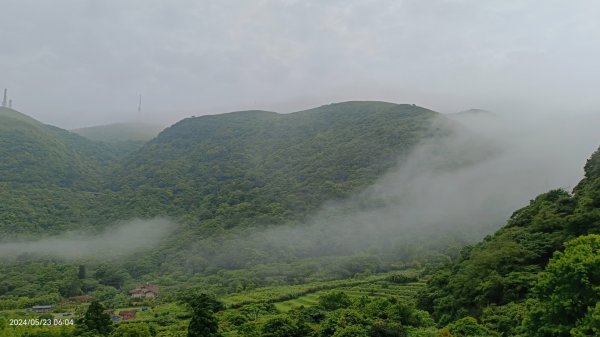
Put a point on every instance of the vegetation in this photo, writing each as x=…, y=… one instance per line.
x=94, y=322
x=203, y=322
x=536, y=276
x=49, y=177
x=226, y=178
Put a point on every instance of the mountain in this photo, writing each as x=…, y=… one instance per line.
x=230, y=182
x=504, y=280
x=243, y=186
x=221, y=176
x=241, y=168
x=47, y=175
x=120, y=132
x=43, y=154
x=14, y=114
x=264, y=167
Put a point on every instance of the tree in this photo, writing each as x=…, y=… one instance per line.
x=334, y=300
x=567, y=289
x=352, y=331
x=445, y=333
x=95, y=321
x=468, y=327
x=111, y=276
x=505, y=319
x=255, y=310
x=132, y=330
x=590, y=325
x=283, y=327
x=203, y=322
x=383, y=328
x=81, y=274
x=341, y=319
x=72, y=288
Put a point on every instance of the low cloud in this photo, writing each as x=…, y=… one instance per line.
x=454, y=189
x=124, y=238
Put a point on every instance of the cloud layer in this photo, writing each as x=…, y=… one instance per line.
x=450, y=191
x=121, y=239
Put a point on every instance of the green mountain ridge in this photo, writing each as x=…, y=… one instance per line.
x=221, y=177
x=38, y=153
x=225, y=178
x=227, y=168
x=257, y=159
x=49, y=177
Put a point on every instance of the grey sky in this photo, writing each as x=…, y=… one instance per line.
x=76, y=63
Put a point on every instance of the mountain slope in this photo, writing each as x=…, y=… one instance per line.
x=243, y=165
x=48, y=176
x=493, y=278
x=241, y=168
x=34, y=154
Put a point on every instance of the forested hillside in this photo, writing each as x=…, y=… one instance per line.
x=235, y=169
x=537, y=276
x=48, y=176
x=210, y=173
x=258, y=167
x=220, y=177
x=227, y=181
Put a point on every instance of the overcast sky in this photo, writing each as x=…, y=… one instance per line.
x=76, y=63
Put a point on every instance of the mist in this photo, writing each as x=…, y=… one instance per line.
x=203, y=57
x=119, y=240
x=449, y=191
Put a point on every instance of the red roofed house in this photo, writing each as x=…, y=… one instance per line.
x=127, y=314
x=145, y=291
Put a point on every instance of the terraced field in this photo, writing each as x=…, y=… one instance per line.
x=375, y=284
x=381, y=288
x=257, y=306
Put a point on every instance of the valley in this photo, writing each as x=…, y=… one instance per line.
x=332, y=221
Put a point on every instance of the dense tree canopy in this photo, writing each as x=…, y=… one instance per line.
x=95, y=321
x=530, y=271
x=567, y=291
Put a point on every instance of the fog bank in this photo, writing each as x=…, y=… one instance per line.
x=121, y=239
x=453, y=190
